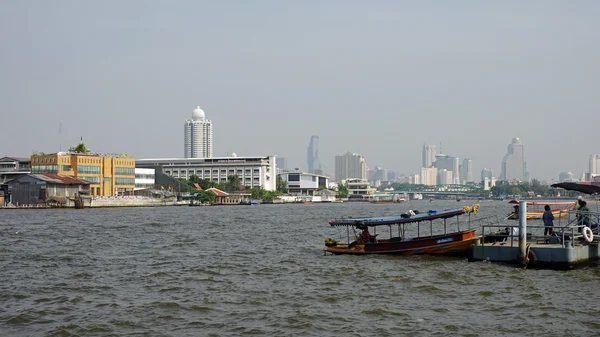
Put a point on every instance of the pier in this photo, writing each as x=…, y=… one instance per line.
x=571, y=245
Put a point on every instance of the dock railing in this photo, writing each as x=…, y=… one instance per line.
x=567, y=230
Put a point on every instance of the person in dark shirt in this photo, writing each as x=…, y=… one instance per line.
x=548, y=219
x=365, y=236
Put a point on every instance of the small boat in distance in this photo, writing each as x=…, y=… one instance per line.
x=398, y=241
x=535, y=209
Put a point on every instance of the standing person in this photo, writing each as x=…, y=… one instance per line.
x=584, y=214
x=548, y=219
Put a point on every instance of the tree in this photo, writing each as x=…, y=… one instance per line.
x=79, y=148
x=281, y=184
x=206, y=196
x=233, y=183
x=343, y=191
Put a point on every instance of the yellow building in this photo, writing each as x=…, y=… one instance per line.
x=108, y=174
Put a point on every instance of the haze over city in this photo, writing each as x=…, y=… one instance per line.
x=380, y=79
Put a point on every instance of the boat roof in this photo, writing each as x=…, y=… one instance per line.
x=391, y=220
x=587, y=189
x=543, y=203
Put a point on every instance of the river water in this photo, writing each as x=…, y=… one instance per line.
x=260, y=270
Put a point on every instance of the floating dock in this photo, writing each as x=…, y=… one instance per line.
x=567, y=248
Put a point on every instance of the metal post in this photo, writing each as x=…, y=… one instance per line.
x=522, y=230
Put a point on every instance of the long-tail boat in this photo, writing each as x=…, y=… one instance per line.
x=399, y=229
x=535, y=209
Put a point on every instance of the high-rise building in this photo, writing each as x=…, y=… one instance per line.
x=312, y=158
x=350, y=165
x=567, y=177
x=443, y=161
x=198, y=136
x=466, y=171
x=513, y=164
x=594, y=165
x=486, y=173
x=429, y=176
x=281, y=163
x=429, y=153
x=444, y=177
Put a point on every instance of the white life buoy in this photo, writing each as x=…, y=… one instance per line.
x=588, y=235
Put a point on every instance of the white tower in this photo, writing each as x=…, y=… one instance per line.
x=198, y=136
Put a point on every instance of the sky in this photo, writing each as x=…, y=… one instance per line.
x=379, y=78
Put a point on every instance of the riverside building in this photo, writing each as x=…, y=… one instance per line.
x=251, y=171
x=108, y=174
x=198, y=136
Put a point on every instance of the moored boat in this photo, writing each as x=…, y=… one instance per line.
x=535, y=209
x=398, y=228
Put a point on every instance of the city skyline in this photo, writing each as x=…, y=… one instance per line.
x=503, y=70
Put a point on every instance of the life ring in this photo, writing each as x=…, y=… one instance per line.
x=588, y=235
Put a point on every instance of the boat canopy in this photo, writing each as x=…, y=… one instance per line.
x=587, y=189
x=392, y=220
x=543, y=203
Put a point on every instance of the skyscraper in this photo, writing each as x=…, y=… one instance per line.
x=350, y=165
x=312, y=157
x=198, y=136
x=281, y=163
x=444, y=161
x=486, y=173
x=429, y=153
x=594, y=165
x=513, y=164
x=466, y=171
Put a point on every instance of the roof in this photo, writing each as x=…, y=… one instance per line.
x=587, y=189
x=218, y=192
x=391, y=220
x=19, y=159
x=54, y=178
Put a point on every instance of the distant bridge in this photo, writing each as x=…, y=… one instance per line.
x=441, y=190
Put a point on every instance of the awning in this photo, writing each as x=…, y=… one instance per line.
x=587, y=189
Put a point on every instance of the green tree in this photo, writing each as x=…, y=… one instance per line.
x=79, y=149
x=343, y=190
x=233, y=183
x=281, y=184
x=206, y=196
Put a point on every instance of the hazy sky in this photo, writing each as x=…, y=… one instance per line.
x=380, y=78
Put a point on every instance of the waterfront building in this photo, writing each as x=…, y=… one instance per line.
x=428, y=176
x=304, y=183
x=144, y=178
x=466, y=171
x=567, y=177
x=15, y=164
x=44, y=189
x=312, y=158
x=486, y=173
x=429, y=153
x=349, y=166
x=108, y=174
x=198, y=136
x=14, y=167
x=514, y=167
x=358, y=186
x=594, y=166
x=251, y=171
